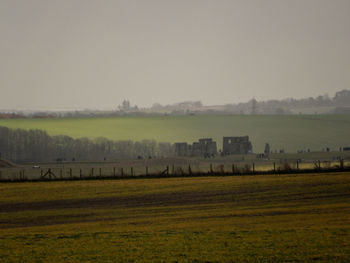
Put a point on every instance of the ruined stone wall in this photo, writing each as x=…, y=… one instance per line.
x=208, y=147
x=236, y=145
x=204, y=147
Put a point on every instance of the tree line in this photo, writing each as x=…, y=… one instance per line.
x=20, y=145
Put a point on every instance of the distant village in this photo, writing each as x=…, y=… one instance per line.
x=323, y=104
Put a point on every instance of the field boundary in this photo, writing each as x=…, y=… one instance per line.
x=50, y=176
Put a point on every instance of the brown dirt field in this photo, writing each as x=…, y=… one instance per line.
x=242, y=194
x=294, y=196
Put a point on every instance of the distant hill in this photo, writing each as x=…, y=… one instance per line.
x=289, y=132
x=322, y=104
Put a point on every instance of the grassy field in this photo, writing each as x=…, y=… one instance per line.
x=270, y=218
x=291, y=132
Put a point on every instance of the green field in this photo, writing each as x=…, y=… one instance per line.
x=291, y=132
x=270, y=218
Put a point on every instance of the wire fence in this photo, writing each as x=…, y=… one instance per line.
x=85, y=172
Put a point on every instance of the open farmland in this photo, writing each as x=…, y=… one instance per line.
x=289, y=132
x=281, y=218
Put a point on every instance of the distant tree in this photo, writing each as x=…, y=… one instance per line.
x=197, y=104
x=342, y=97
x=165, y=149
x=156, y=106
x=125, y=105
x=254, y=106
x=280, y=111
x=35, y=145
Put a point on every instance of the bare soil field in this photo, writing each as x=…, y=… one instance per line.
x=265, y=218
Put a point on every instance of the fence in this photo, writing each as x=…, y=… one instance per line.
x=108, y=172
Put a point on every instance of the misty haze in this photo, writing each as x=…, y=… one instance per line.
x=174, y=131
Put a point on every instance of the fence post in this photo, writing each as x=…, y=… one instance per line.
x=100, y=172
x=61, y=173
x=274, y=167
x=253, y=167
x=92, y=172
x=341, y=164
x=80, y=174
x=114, y=171
x=41, y=173
x=297, y=164
x=222, y=168
x=132, y=171
x=146, y=170
x=70, y=173
x=172, y=169
x=167, y=169
x=189, y=169
x=233, y=169
x=0, y=175
x=122, y=171
x=211, y=168
x=319, y=164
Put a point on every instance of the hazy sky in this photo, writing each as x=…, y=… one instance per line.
x=93, y=54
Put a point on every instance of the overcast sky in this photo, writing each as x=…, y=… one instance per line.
x=93, y=54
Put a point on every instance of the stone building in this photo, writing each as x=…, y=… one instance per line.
x=204, y=147
x=236, y=145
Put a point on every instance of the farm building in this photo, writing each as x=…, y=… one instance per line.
x=236, y=145
x=204, y=147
